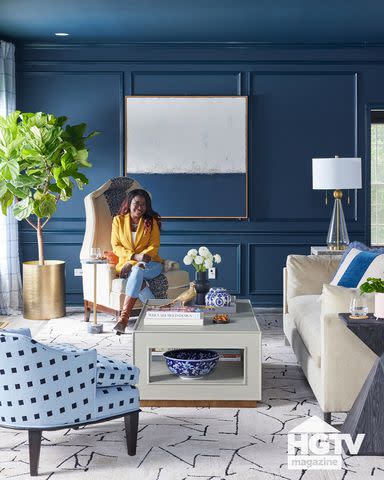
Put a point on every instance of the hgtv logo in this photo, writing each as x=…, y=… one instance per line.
x=315, y=445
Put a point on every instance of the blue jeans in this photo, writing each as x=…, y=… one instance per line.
x=136, y=277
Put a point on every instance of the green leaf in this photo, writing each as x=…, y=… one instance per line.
x=372, y=285
x=3, y=189
x=57, y=172
x=6, y=201
x=54, y=188
x=66, y=161
x=18, y=192
x=29, y=181
x=91, y=135
x=61, y=120
x=81, y=177
x=60, y=183
x=23, y=209
x=44, y=205
x=5, y=137
x=66, y=192
x=11, y=121
x=36, y=133
x=9, y=170
x=81, y=155
x=75, y=133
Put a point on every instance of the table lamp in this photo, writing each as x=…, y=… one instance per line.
x=336, y=174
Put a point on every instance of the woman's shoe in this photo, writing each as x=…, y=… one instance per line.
x=122, y=323
x=119, y=328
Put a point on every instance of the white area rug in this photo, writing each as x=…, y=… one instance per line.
x=184, y=443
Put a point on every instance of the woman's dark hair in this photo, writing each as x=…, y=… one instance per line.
x=149, y=214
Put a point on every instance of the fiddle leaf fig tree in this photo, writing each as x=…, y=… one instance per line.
x=40, y=159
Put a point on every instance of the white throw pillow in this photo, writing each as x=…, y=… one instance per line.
x=336, y=299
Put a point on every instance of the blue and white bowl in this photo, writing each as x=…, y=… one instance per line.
x=218, y=297
x=191, y=364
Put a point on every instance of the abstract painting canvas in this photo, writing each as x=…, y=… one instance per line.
x=190, y=153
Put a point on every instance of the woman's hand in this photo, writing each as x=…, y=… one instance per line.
x=142, y=257
x=125, y=271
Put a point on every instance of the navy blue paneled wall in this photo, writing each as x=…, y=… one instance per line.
x=303, y=103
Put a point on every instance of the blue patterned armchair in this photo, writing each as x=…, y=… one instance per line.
x=51, y=387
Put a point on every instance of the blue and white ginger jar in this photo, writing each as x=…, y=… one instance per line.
x=218, y=297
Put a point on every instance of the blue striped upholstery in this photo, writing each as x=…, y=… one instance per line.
x=357, y=265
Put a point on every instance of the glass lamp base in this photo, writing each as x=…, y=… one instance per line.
x=337, y=238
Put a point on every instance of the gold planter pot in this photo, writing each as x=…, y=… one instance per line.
x=44, y=290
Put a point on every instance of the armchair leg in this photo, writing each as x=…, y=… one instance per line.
x=34, y=438
x=327, y=417
x=131, y=428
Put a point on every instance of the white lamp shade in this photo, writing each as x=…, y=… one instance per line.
x=336, y=173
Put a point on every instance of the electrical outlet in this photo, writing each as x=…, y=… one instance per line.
x=212, y=273
x=78, y=272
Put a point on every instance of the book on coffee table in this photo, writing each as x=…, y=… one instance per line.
x=173, y=315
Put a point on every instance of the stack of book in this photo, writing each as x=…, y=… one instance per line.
x=173, y=315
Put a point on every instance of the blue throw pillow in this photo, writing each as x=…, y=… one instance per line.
x=357, y=264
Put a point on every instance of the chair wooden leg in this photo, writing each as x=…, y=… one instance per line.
x=131, y=428
x=327, y=417
x=34, y=438
x=87, y=311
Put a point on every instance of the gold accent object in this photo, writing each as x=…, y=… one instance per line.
x=3, y=325
x=338, y=194
x=184, y=297
x=337, y=248
x=358, y=317
x=43, y=290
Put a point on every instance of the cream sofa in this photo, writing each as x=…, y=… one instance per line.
x=334, y=360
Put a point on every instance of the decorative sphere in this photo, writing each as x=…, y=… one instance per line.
x=218, y=297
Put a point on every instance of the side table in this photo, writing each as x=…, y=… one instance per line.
x=324, y=251
x=367, y=413
x=95, y=327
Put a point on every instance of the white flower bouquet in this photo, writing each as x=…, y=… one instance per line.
x=201, y=259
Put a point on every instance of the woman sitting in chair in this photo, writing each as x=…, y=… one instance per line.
x=135, y=240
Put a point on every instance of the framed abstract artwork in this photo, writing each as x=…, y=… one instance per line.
x=191, y=153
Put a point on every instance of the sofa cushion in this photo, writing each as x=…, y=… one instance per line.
x=336, y=299
x=306, y=311
x=307, y=274
x=357, y=266
x=358, y=246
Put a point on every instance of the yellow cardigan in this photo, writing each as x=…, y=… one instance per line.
x=147, y=241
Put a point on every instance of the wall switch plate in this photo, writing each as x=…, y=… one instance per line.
x=212, y=273
x=78, y=272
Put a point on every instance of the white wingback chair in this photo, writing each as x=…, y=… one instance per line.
x=100, y=208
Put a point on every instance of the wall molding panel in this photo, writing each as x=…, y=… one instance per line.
x=304, y=102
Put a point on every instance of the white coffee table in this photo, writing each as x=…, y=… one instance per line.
x=232, y=384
